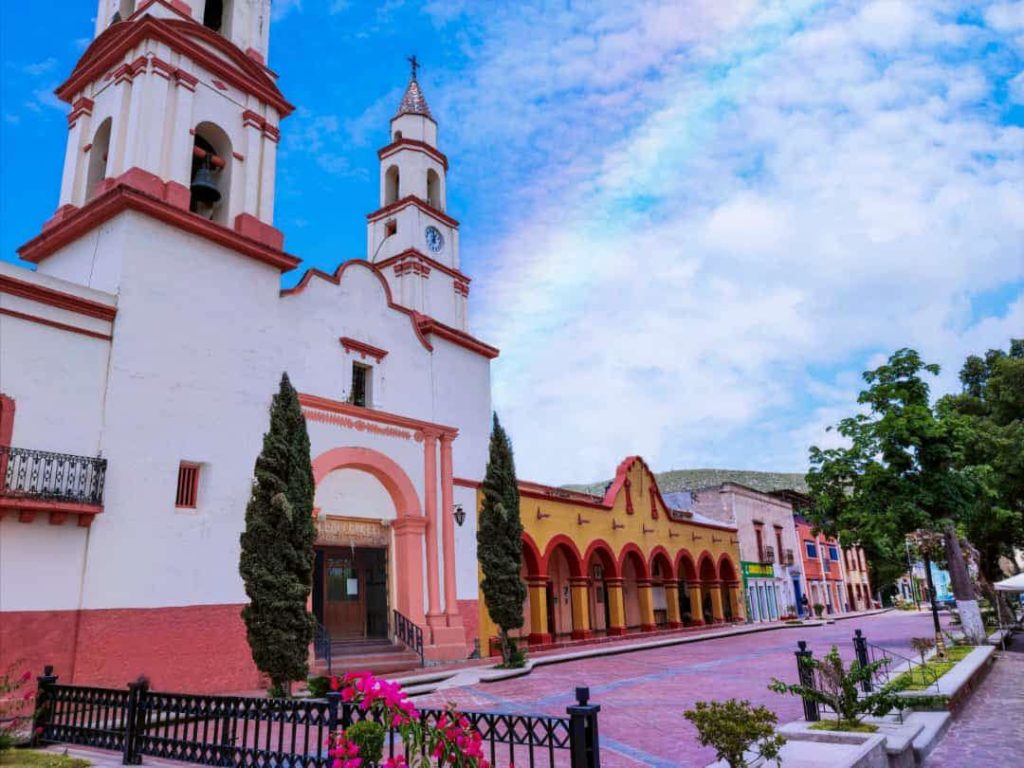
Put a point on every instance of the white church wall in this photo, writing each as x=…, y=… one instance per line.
x=43, y=564
x=462, y=396
x=354, y=493
x=194, y=364
x=93, y=260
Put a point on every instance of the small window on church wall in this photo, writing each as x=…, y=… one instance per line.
x=215, y=15
x=391, y=228
x=210, y=179
x=433, y=189
x=398, y=135
x=391, y=185
x=361, y=383
x=188, y=486
x=98, y=158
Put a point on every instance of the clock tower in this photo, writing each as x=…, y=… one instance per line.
x=410, y=237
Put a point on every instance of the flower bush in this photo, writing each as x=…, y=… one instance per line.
x=451, y=741
x=15, y=705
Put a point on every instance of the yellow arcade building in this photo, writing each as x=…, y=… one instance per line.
x=622, y=563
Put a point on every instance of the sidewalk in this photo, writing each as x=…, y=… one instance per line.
x=989, y=730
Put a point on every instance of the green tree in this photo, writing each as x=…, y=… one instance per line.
x=735, y=727
x=499, y=539
x=898, y=474
x=987, y=420
x=276, y=562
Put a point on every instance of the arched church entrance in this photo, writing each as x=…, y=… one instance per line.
x=368, y=552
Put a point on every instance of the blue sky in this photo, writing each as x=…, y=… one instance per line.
x=691, y=223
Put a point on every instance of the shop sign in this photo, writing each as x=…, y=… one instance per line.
x=757, y=570
x=351, y=532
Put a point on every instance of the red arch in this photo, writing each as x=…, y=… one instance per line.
x=643, y=571
x=706, y=567
x=686, y=567
x=531, y=556
x=668, y=571
x=604, y=552
x=574, y=559
x=726, y=568
x=390, y=475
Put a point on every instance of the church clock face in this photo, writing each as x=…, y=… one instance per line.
x=435, y=240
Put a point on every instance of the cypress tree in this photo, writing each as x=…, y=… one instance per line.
x=276, y=562
x=499, y=540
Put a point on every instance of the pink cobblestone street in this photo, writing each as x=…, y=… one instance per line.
x=643, y=694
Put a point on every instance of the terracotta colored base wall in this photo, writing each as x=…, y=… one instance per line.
x=469, y=610
x=200, y=649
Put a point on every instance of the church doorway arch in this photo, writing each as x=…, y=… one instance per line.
x=369, y=546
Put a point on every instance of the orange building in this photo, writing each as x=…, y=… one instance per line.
x=620, y=563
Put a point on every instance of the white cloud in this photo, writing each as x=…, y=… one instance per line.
x=279, y=9
x=40, y=67
x=710, y=217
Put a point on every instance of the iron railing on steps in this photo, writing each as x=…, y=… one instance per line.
x=405, y=631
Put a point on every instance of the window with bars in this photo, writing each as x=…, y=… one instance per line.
x=361, y=383
x=188, y=485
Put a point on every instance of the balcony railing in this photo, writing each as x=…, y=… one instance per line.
x=789, y=557
x=52, y=476
x=768, y=556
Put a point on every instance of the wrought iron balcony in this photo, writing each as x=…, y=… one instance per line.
x=52, y=476
x=768, y=556
x=789, y=557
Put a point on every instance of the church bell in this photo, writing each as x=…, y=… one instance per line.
x=204, y=187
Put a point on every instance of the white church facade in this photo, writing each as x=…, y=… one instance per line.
x=138, y=360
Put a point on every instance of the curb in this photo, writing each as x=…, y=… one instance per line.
x=498, y=675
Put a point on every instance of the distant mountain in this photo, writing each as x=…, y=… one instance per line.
x=692, y=479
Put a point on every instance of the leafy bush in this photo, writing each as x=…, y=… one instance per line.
x=368, y=736
x=318, y=686
x=734, y=727
x=516, y=656
x=836, y=687
x=818, y=609
x=451, y=741
x=15, y=705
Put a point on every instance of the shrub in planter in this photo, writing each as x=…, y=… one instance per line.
x=368, y=736
x=735, y=727
x=837, y=687
x=318, y=686
x=818, y=609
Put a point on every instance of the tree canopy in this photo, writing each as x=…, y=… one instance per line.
x=987, y=421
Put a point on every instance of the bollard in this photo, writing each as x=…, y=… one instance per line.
x=584, y=747
x=44, y=704
x=806, y=676
x=860, y=647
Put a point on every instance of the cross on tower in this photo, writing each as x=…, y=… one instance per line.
x=414, y=64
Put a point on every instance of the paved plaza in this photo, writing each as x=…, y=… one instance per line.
x=643, y=694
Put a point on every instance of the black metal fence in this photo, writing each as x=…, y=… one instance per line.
x=52, y=476
x=245, y=732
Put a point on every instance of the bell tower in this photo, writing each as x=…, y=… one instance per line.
x=172, y=101
x=410, y=237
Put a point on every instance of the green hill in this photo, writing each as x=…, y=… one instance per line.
x=691, y=479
